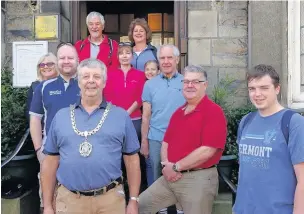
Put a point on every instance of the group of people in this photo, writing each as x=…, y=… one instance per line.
x=104, y=114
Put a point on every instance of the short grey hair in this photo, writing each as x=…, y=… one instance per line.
x=195, y=69
x=93, y=63
x=93, y=14
x=175, y=50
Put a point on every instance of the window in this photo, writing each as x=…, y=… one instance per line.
x=295, y=94
x=162, y=27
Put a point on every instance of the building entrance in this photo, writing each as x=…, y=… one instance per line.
x=118, y=16
x=167, y=20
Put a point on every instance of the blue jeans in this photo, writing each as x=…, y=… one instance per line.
x=149, y=172
x=154, y=158
x=143, y=163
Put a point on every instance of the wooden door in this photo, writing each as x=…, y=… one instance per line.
x=181, y=31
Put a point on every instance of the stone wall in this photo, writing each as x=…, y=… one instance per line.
x=267, y=34
x=269, y=31
x=2, y=36
x=19, y=22
x=218, y=39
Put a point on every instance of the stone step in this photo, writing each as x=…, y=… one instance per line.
x=223, y=204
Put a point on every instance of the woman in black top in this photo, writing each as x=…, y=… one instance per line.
x=46, y=69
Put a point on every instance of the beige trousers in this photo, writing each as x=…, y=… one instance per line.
x=195, y=191
x=112, y=202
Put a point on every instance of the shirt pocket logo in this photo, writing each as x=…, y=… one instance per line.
x=57, y=92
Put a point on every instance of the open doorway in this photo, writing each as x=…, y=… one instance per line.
x=175, y=29
x=118, y=16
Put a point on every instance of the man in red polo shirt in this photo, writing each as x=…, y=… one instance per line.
x=97, y=45
x=192, y=146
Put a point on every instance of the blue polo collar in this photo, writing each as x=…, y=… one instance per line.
x=174, y=75
x=74, y=78
x=102, y=105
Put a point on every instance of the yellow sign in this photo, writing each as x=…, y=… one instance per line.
x=46, y=27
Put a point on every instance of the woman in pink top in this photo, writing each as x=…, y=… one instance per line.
x=125, y=84
x=124, y=89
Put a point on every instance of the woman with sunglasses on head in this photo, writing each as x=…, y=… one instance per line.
x=125, y=84
x=124, y=88
x=46, y=69
x=140, y=36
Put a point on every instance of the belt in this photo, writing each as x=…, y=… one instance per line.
x=197, y=169
x=102, y=190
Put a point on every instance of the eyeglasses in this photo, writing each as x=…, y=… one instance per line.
x=64, y=43
x=193, y=82
x=48, y=64
x=125, y=44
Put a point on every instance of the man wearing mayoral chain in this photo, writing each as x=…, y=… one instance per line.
x=84, y=148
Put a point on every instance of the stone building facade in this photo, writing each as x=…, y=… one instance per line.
x=227, y=37
x=18, y=22
x=218, y=39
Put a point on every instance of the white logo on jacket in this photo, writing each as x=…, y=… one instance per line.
x=57, y=92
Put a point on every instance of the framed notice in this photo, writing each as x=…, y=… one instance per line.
x=25, y=59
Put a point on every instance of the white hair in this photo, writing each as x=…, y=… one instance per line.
x=173, y=47
x=93, y=63
x=94, y=14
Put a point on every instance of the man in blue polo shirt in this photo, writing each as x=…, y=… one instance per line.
x=161, y=96
x=52, y=95
x=88, y=140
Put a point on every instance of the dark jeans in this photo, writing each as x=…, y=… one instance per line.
x=143, y=185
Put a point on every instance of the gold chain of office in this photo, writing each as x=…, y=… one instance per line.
x=85, y=148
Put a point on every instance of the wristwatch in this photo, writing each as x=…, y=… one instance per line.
x=135, y=199
x=175, y=167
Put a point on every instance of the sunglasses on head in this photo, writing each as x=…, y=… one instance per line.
x=63, y=44
x=48, y=64
x=125, y=44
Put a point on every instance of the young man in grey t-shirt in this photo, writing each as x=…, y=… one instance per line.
x=271, y=175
